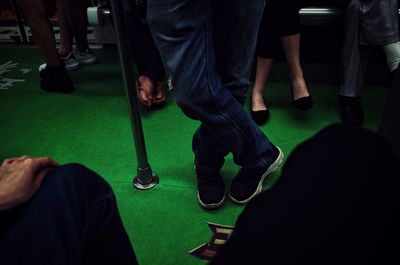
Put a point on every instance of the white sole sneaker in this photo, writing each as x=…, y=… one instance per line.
x=84, y=58
x=274, y=166
x=210, y=206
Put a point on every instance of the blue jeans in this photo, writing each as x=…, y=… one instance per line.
x=207, y=48
x=72, y=219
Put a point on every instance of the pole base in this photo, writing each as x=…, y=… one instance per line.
x=154, y=181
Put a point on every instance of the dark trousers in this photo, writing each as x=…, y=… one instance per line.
x=73, y=219
x=389, y=126
x=336, y=202
x=280, y=18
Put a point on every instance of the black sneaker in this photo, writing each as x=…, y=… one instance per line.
x=56, y=79
x=248, y=182
x=210, y=189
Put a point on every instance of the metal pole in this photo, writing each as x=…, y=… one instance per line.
x=145, y=178
x=20, y=22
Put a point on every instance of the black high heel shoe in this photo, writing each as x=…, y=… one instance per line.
x=303, y=103
x=260, y=116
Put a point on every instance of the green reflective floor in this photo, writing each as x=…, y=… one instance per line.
x=92, y=127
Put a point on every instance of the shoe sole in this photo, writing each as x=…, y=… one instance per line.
x=211, y=205
x=68, y=67
x=72, y=67
x=271, y=169
x=87, y=61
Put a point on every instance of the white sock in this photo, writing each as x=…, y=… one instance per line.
x=392, y=52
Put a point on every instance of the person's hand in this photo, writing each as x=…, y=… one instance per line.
x=21, y=177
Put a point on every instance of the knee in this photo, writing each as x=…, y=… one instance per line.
x=75, y=177
x=73, y=170
x=191, y=108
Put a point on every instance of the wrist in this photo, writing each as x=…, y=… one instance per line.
x=7, y=201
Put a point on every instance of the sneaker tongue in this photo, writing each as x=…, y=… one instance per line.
x=83, y=53
x=247, y=174
x=206, y=177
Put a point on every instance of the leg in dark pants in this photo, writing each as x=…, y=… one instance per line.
x=389, y=126
x=73, y=219
x=184, y=34
x=336, y=202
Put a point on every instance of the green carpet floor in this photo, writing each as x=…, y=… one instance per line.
x=92, y=127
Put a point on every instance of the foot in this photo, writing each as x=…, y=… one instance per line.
x=300, y=96
x=145, y=90
x=69, y=60
x=299, y=88
x=159, y=94
x=210, y=189
x=351, y=111
x=56, y=79
x=259, y=110
x=84, y=57
x=248, y=183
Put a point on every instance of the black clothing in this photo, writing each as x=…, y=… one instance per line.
x=336, y=202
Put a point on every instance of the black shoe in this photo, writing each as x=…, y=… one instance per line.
x=248, y=182
x=260, y=116
x=56, y=79
x=351, y=111
x=303, y=103
x=210, y=189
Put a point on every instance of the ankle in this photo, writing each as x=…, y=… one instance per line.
x=82, y=49
x=64, y=52
x=299, y=85
x=349, y=99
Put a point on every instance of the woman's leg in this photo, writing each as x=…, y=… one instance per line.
x=268, y=46
x=41, y=30
x=291, y=47
x=66, y=34
x=75, y=15
x=264, y=66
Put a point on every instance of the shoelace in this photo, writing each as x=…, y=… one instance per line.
x=208, y=178
x=249, y=175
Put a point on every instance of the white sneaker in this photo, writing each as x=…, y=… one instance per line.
x=69, y=61
x=42, y=66
x=86, y=57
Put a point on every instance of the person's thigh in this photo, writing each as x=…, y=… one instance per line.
x=58, y=225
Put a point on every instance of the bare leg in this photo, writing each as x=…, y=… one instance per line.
x=262, y=73
x=75, y=16
x=65, y=29
x=291, y=47
x=41, y=31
